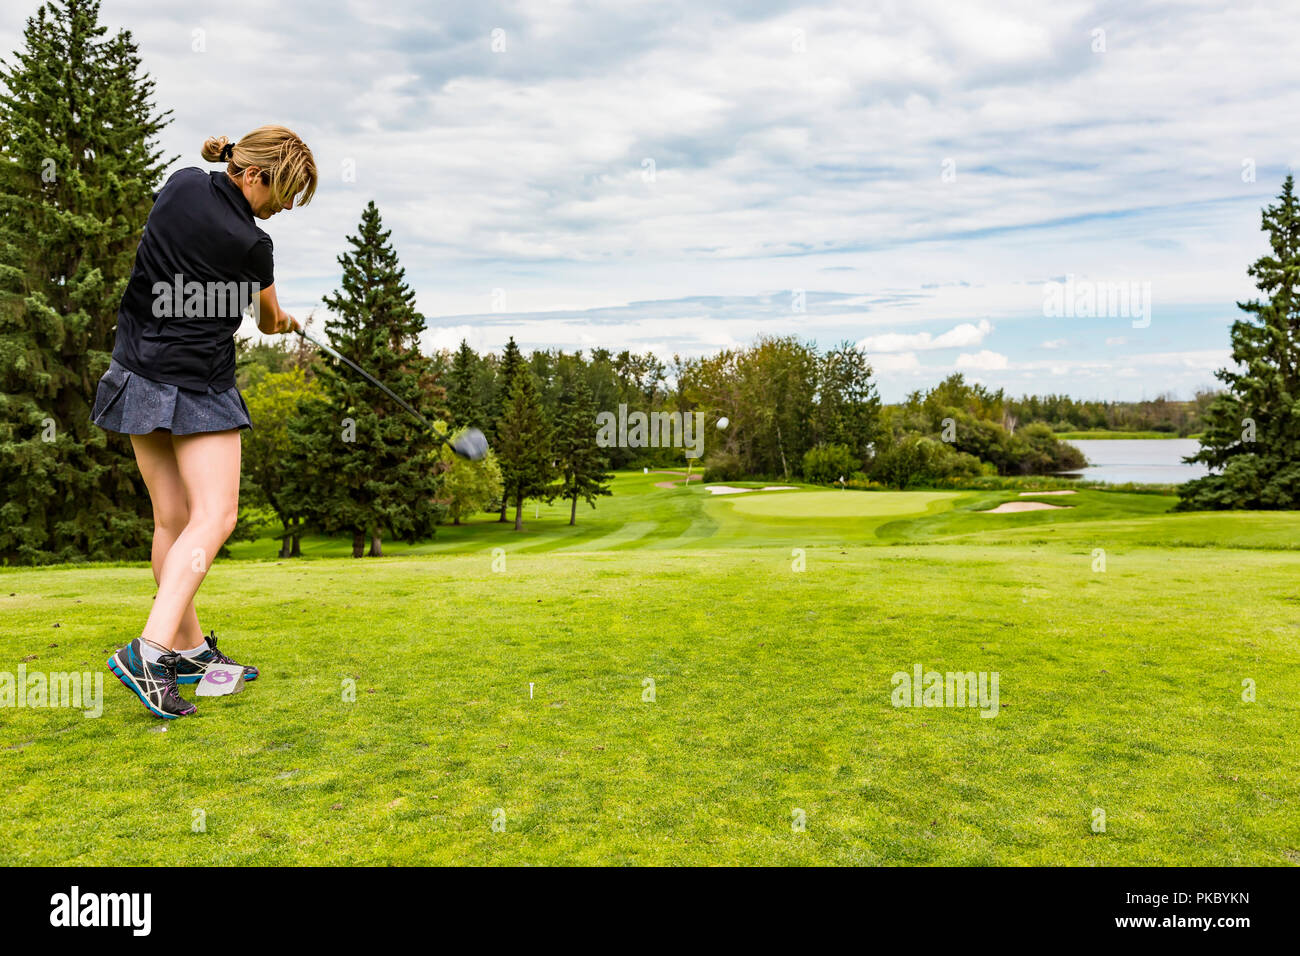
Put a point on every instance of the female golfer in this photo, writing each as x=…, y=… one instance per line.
x=171, y=383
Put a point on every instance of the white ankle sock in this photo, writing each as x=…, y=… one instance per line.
x=194, y=651
x=152, y=652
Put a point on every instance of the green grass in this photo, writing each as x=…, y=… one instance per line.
x=1120, y=689
x=838, y=505
x=1103, y=433
x=643, y=517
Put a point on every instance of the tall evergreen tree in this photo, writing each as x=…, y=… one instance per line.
x=78, y=168
x=512, y=361
x=1252, y=430
x=464, y=398
x=545, y=364
x=579, y=459
x=524, y=445
x=360, y=461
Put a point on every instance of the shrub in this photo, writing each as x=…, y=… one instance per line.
x=723, y=466
x=917, y=459
x=1037, y=450
x=906, y=463
x=861, y=482
x=825, y=464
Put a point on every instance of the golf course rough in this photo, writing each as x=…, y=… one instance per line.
x=526, y=736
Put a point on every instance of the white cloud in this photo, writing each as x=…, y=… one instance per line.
x=984, y=359
x=523, y=170
x=894, y=362
x=1187, y=359
x=961, y=336
x=449, y=337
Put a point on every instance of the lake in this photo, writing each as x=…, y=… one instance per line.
x=1146, y=460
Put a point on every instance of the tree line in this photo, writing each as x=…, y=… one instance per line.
x=1164, y=413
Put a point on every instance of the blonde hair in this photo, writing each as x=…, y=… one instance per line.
x=286, y=164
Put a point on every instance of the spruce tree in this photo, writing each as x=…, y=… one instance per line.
x=464, y=401
x=77, y=173
x=1252, y=430
x=524, y=445
x=507, y=371
x=579, y=459
x=362, y=464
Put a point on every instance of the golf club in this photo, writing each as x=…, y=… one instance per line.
x=469, y=444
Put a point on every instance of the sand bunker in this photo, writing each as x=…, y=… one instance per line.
x=1011, y=506
x=1034, y=494
x=729, y=490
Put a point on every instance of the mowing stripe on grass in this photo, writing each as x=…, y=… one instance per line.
x=623, y=537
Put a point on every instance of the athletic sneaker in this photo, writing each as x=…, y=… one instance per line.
x=190, y=670
x=154, y=684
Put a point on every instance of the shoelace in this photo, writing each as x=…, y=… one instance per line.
x=168, y=664
x=216, y=654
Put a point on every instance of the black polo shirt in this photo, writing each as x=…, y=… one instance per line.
x=201, y=261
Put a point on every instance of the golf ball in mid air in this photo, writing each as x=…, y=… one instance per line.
x=724, y=422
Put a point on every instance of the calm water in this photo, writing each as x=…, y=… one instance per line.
x=1147, y=460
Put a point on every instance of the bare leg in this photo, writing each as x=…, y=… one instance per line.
x=171, y=513
x=208, y=464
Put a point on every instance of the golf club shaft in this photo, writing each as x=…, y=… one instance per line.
x=375, y=382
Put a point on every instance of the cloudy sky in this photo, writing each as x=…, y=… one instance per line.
x=946, y=183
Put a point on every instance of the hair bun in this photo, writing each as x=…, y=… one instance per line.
x=217, y=149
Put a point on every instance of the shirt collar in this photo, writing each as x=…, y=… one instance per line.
x=233, y=191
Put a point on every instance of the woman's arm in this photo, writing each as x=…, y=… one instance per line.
x=271, y=319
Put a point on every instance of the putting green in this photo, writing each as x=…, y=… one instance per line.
x=840, y=504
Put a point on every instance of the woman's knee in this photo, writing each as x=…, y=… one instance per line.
x=215, y=522
x=170, y=519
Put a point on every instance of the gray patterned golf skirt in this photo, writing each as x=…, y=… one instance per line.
x=135, y=405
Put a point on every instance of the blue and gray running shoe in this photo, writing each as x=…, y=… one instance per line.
x=154, y=684
x=190, y=670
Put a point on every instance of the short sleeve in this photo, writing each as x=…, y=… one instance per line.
x=261, y=262
x=174, y=176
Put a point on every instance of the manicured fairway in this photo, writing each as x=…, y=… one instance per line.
x=1121, y=690
x=841, y=504
x=642, y=517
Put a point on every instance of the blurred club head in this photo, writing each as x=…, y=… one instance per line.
x=470, y=444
